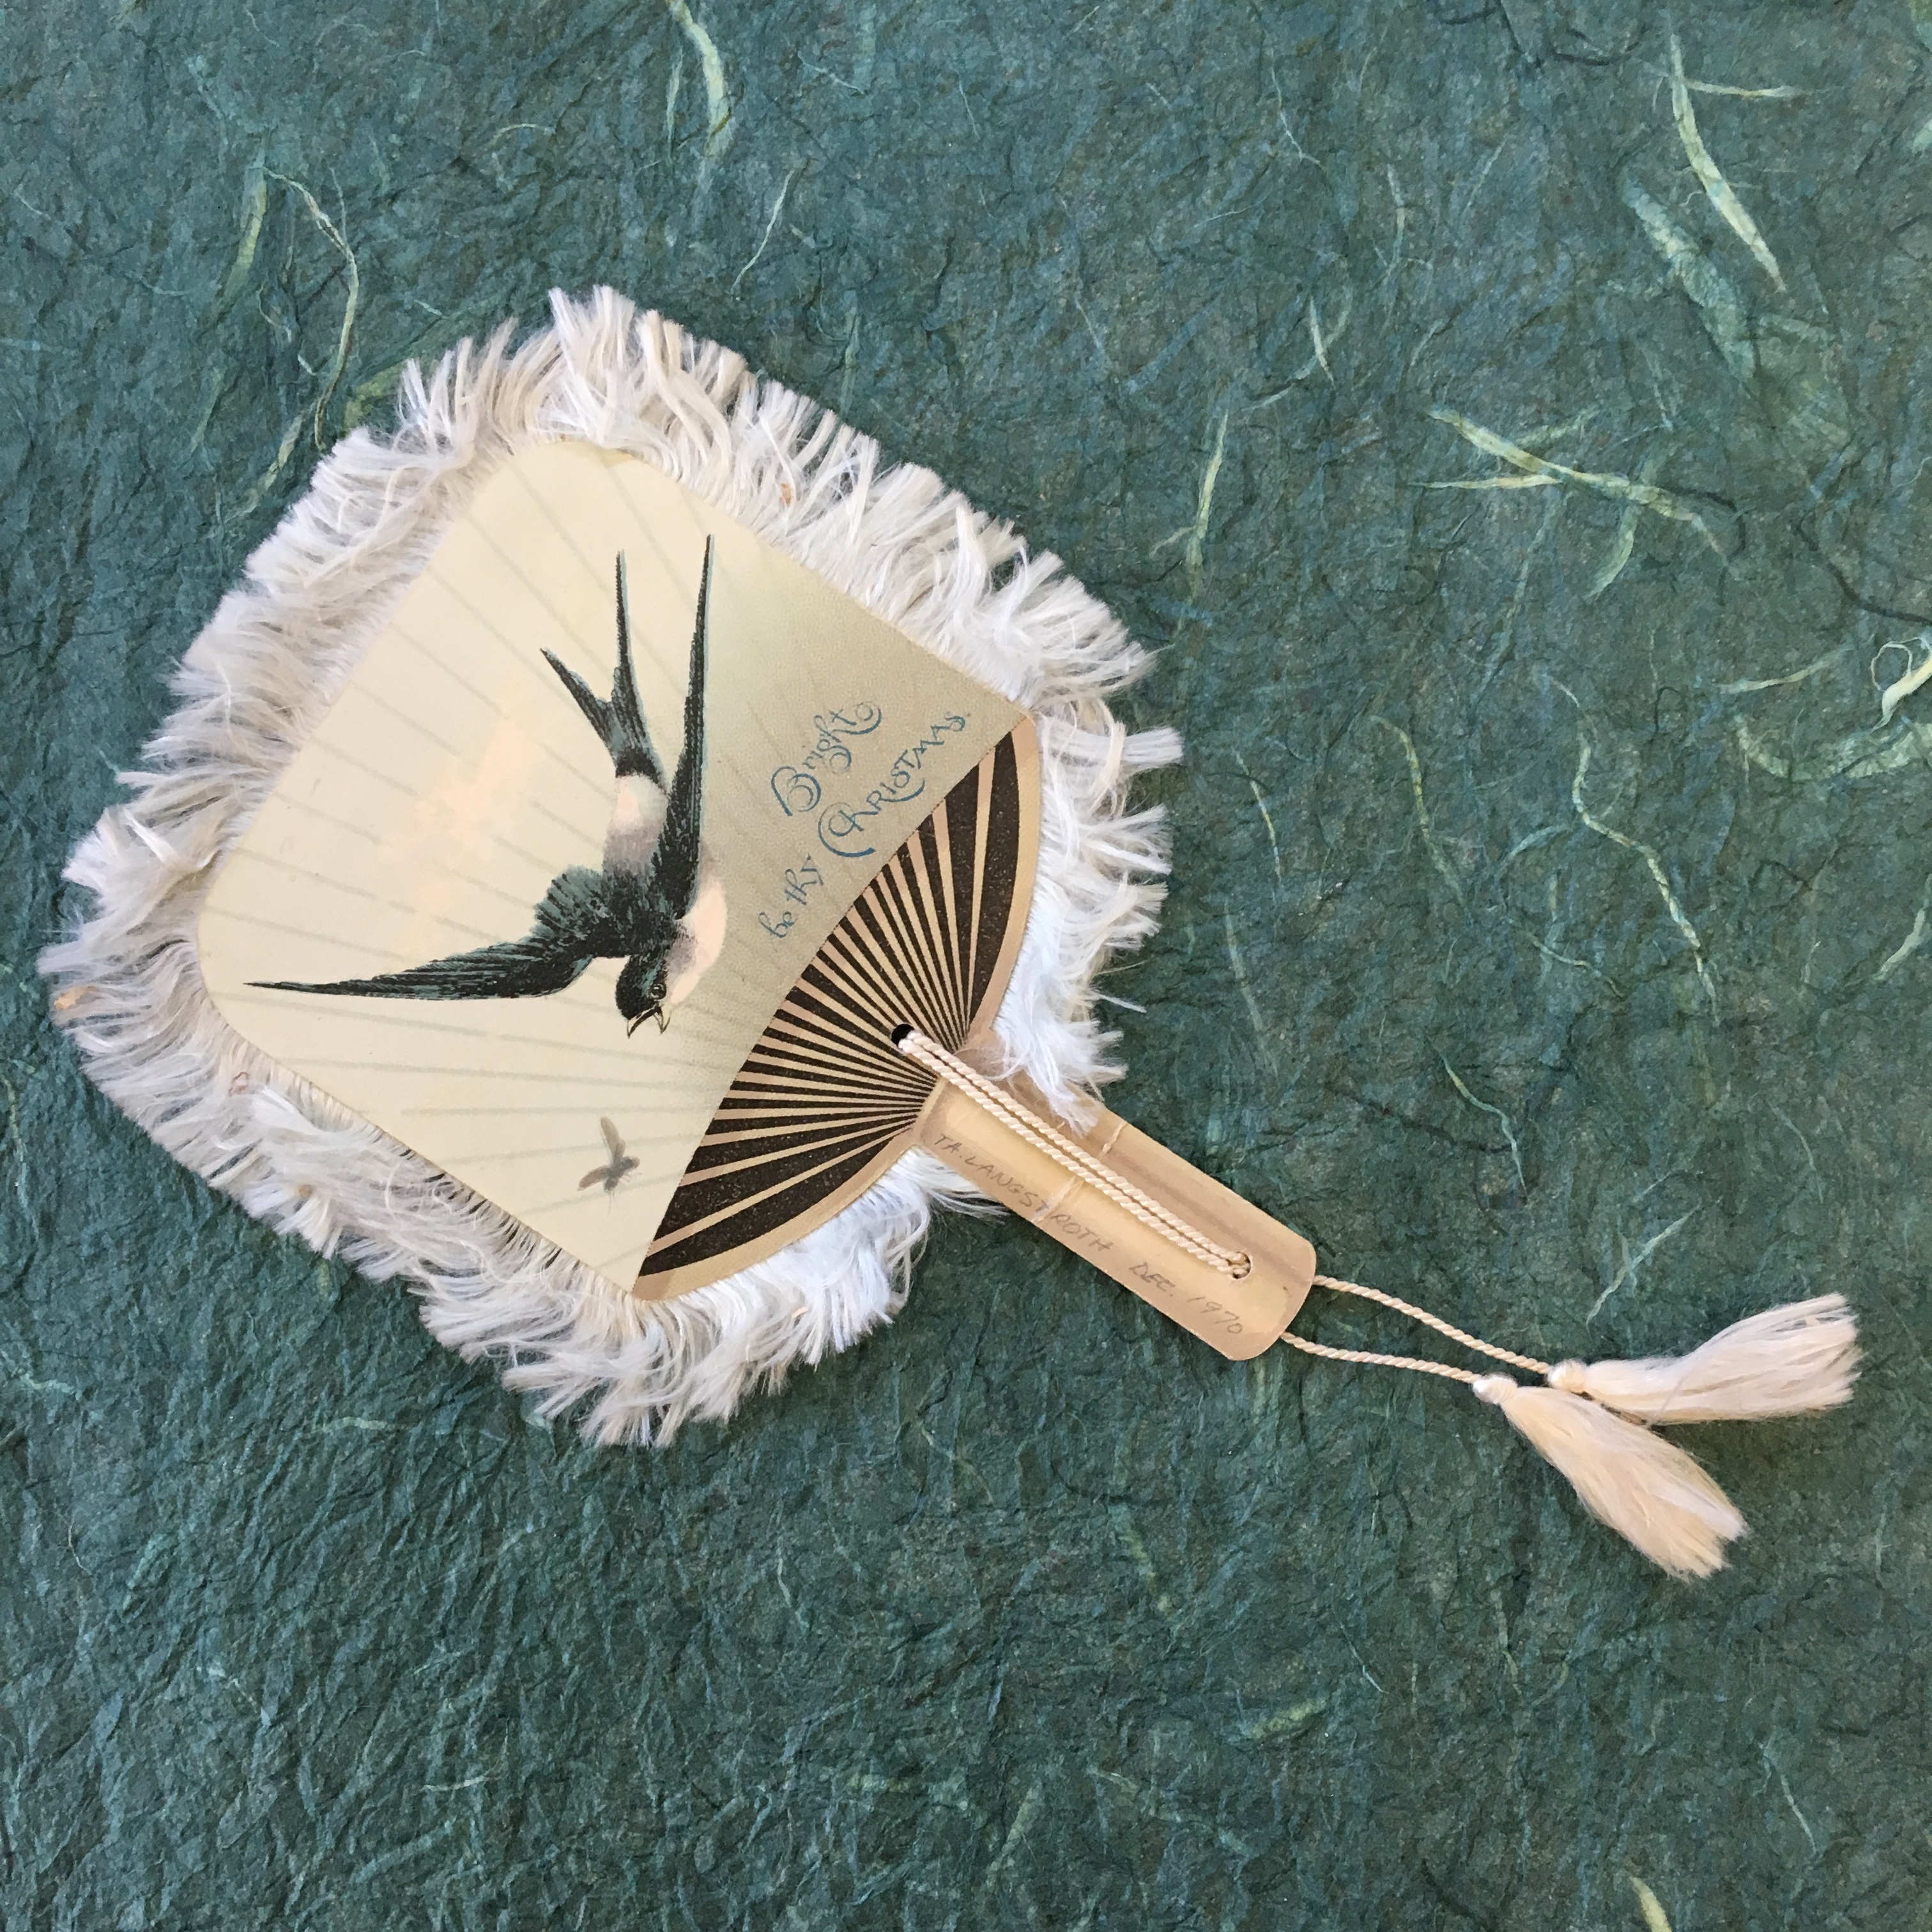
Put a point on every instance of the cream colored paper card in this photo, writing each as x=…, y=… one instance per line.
x=456, y=872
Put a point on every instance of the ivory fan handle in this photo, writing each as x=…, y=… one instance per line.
x=1240, y=1318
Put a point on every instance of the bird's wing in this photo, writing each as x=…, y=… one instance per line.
x=613, y=1139
x=674, y=873
x=575, y=925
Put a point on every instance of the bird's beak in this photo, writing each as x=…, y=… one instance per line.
x=634, y=1026
x=663, y=1021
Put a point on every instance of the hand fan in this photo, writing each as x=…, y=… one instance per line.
x=622, y=856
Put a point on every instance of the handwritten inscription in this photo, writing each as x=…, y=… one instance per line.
x=846, y=829
x=1151, y=1275
x=1076, y=1234
x=996, y=1180
x=798, y=788
x=1215, y=1313
x=989, y=1175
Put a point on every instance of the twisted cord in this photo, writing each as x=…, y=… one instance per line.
x=1435, y=1321
x=1421, y=1363
x=1046, y=1138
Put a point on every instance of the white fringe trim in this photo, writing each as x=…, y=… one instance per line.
x=278, y=650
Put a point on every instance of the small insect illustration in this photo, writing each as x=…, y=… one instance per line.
x=619, y=1164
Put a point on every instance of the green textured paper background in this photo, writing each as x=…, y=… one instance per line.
x=1031, y=1611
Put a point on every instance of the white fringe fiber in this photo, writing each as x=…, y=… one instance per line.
x=279, y=649
x=1647, y=1489
x=1793, y=1360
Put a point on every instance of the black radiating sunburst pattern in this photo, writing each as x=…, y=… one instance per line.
x=821, y=1100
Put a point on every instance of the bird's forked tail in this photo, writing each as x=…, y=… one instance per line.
x=618, y=720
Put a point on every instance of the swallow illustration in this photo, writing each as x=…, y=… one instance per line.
x=658, y=903
x=619, y=1164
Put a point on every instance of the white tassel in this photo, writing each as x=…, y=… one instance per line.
x=1786, y=1361
x=1647, y=1490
